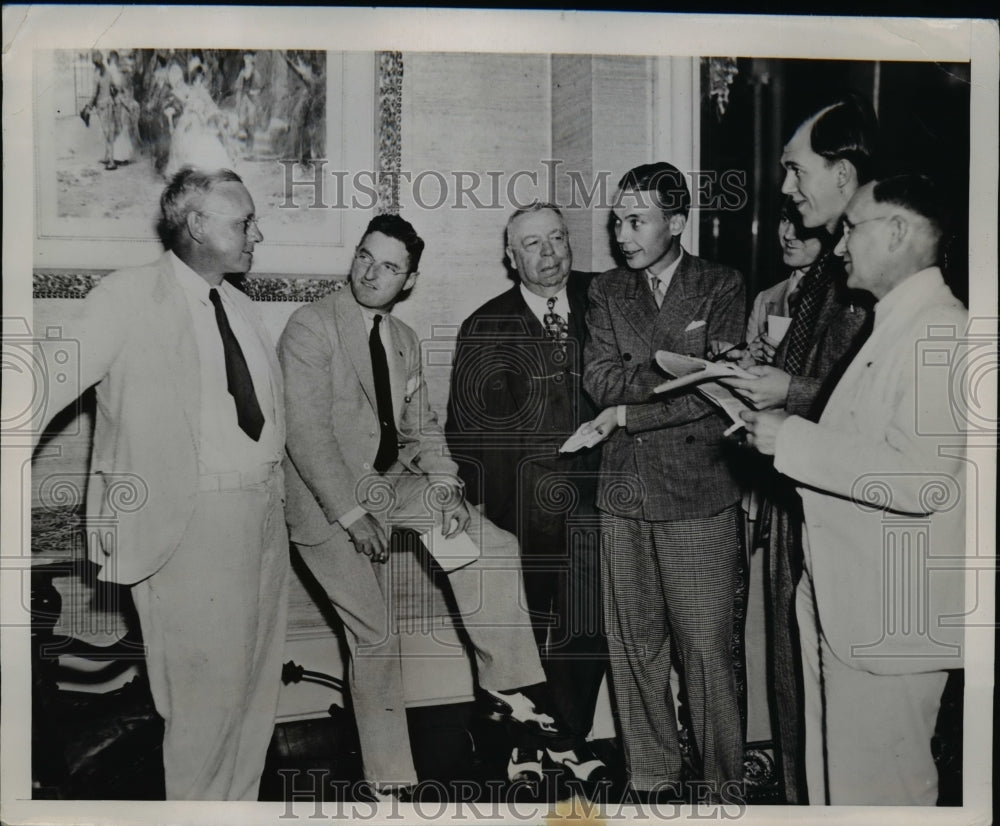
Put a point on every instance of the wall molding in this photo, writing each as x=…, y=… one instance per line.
x=389, y=117
x=297, y=289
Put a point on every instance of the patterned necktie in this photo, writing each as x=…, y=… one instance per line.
x=656, y=285
x=238, y=380
x=556, y=326
x=388, y=446
x=804, y=304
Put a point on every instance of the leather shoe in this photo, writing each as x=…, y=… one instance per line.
x=525, y=766
x=581, y=764
x=528, y=707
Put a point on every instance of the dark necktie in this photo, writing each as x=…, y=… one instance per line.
x=388, y=446
x=556, y=327
x=805, y=305
x=238, y=380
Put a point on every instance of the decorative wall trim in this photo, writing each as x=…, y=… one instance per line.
x=389, y=150
x=260, y=287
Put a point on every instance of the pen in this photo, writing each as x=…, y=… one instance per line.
x=741, y=346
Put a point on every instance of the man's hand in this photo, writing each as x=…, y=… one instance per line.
x=762, y=350
x=730, y=352
x=762, y=428
x=769, y=389
x=369, y=538
x=449, y=498
x=605, y=422
x=454, y=521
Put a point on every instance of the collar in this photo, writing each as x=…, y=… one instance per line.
x=540, y=306
x=667, y=274
x=192, y=283
x=368, y=316
x=911, y=291
x=796, y=277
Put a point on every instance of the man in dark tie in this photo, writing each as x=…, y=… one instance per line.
x=669, y=503
x=365, y=454
x=190, y=420
x=828, y=157
x=516, y=396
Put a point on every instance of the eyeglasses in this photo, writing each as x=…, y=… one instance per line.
x=381, y=267
x=247, y=222
x=534, y=242
x=847, y=227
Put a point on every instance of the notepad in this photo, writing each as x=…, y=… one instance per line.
x=692, y=370
x=451, y=554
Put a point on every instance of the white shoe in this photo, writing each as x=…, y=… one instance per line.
x=587, y=767
x=525, y=765
x=517, y=706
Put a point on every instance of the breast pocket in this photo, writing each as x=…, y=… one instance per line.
x=694, y=341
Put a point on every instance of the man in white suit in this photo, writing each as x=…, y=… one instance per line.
x=190, y=422
x=365, y=455
x=881, y=477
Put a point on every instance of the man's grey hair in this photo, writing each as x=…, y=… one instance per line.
x=534, y=206
x=184, y=195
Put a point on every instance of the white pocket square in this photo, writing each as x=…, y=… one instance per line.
x=694, y=325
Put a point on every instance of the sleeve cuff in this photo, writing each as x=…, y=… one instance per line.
x=620, y=414
x=791, y=441
x=352, y=516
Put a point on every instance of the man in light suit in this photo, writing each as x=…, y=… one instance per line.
x=365, y=454
x=881, y=477
x=828, y=157
x=669, y=503
x=516, y=396
x=190, y=425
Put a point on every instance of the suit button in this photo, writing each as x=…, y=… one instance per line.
x=372, y=435
x=638, y=440
x=366, y=466
x=626, y=357
x=558, y=378
x=689, y=440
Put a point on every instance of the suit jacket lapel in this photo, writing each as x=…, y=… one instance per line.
x=679, y=304
x=577, y=310
x=172, y=314
x=353, y=333
x=636, y=304
x=395, y=354
x=527, y=322
x=277, y=385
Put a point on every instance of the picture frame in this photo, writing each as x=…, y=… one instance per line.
x=302, y=204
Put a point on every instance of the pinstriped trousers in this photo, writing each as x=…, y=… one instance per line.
x=669, y=590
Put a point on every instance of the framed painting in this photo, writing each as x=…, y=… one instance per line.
x=112, y=125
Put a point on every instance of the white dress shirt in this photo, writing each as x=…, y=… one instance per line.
x=223, y=446
x=540, y=306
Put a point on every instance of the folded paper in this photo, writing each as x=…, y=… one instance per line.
x=450, y=553
x=586, y=435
